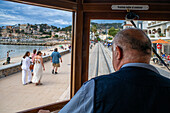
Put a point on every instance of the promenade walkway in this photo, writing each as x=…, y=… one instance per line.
x=16, y=97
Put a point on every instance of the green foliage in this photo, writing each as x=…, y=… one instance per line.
x=98, y=39
x=22, y=31
x=153, y=36
x=113, y=31
x=110, y=38
x=107, y=25
x=17, y=31
x=41, y=29
x=56, y=36
x=49, y=33
x=161, y=34
x=66, y=28
x=45, y=37
x=94, y=28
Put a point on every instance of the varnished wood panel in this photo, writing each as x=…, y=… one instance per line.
x=72, y=49
x=77, y=52
x=121, y=16
x=125, y=1
x=85, y=48
x=101, y=7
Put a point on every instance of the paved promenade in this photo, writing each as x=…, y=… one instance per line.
x=16, y=97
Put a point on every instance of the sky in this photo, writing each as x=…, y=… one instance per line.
x=12, y=13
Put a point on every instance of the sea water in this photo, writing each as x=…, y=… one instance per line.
x=18, y=50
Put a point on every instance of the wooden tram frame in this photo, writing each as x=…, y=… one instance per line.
x=83, y=12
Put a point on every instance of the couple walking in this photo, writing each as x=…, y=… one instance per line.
x=38, y=66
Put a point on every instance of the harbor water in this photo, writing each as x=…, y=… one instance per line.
x=18, y=50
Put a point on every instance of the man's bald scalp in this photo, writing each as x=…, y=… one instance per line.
x=133, y=39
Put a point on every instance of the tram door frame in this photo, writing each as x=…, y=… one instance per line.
x=80, y=54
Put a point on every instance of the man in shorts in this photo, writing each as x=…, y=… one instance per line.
x=55, y=56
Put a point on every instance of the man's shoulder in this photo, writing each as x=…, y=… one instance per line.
x=134, y=75
x=112, y=77
x=56, y=53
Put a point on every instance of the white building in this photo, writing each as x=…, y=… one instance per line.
x=160, y=30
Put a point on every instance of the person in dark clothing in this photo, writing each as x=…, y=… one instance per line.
x=135, y=87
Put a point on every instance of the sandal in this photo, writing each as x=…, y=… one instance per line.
x=40, y=84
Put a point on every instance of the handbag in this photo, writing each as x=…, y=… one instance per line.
x=31, y=66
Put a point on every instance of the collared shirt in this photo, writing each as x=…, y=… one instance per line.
x=83, y=101
x=25, y=63
x=55, y=57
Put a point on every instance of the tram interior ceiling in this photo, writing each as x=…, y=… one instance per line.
x=83, y=12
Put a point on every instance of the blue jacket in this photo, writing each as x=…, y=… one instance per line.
x=132, y=90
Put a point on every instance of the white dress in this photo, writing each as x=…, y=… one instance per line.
x=37, y=71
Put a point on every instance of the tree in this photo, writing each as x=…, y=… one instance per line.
x=112, y=31
x=17, y=31
x=67, y=28
x=110, y=38
x=41, y=29
x=56, y=36
x=98, y=39
x=22, y=31
x=94, y=29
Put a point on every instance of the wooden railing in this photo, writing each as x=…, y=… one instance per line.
x=51, y=107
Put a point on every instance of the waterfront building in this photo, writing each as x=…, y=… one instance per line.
x=160, y=30
x=23, y=27
x=155, y=30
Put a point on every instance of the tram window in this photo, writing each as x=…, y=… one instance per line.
x=31, y=27
x=102, y=33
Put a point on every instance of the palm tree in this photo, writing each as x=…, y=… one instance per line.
x=94, y=29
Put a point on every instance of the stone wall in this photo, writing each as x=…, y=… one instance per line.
x=14, y=68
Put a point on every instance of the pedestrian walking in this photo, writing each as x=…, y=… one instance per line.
x=55, y=56
x=38, y=66
x=26, y=68
x=32, y=57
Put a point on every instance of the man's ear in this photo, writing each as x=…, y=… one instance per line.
x=118, y=53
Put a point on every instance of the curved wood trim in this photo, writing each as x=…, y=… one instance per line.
x=51, y=107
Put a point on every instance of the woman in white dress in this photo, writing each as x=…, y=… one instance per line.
x=26, y=68
x=38, y=66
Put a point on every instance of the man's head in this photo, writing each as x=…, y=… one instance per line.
x=55, y=49
x=130, y=46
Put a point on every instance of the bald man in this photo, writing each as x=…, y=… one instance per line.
x=135, y=87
